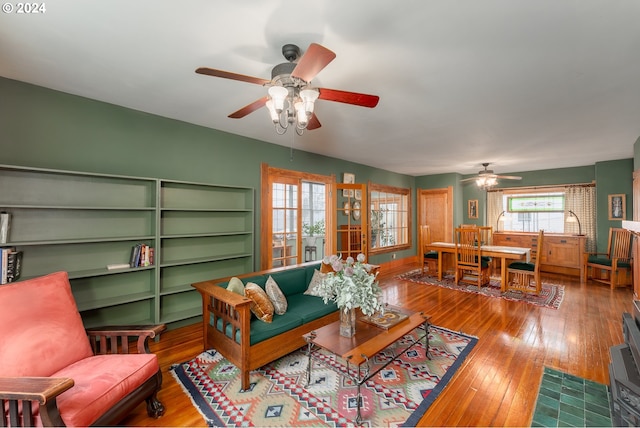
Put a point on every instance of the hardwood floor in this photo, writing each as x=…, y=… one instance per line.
x=498, y=383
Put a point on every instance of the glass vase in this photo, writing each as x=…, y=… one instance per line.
x=347, y=322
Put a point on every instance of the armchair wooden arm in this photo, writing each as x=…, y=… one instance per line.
x=19, y=393
x=104, y=340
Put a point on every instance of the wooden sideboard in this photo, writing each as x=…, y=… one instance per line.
x=561, y=253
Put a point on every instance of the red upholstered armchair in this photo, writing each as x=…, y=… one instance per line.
x=53, y=372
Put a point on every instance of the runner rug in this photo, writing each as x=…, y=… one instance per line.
x=551, y=295
x=279, y=395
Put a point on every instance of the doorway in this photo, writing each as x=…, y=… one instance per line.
x=435, y=209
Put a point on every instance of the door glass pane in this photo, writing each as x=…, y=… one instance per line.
x=313, y=220
x=285, y=224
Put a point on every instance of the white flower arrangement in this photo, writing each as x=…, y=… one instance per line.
x=351, y=285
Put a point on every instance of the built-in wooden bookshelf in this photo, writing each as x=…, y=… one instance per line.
x=82, y=222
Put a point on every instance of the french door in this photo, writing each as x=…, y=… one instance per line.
x=295, y=217
x=351, y=220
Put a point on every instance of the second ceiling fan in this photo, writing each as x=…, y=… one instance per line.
x=291, y=96
x=487, y=179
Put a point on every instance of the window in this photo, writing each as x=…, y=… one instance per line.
x=529, y=209
x=532, y=212
x=389, y=218
x=313, y=209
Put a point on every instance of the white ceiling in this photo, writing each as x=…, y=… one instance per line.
x=523, y=84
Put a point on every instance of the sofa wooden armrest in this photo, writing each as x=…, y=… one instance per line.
x=233, y=313
x=104, y=340
x=20, y=392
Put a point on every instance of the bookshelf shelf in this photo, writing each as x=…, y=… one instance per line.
x=206, y=231
x=81, y=222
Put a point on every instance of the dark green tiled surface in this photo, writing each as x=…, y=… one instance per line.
x=569, y=401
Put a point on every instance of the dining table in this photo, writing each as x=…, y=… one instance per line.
x=502, y=252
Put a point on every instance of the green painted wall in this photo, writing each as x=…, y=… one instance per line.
x=50, y=129
x=611, y=177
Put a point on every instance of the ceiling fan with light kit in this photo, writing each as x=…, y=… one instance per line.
x=291, y=97
x=486, y=179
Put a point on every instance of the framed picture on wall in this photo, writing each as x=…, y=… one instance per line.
x=617, y=204
x=348, y=178
x=472, y=208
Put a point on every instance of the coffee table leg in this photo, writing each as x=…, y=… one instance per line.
x=359, y=378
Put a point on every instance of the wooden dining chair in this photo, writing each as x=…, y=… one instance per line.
x=429, y=258
x=470, y=266
x=615, y=267
x=525, y=276
x=486, y=238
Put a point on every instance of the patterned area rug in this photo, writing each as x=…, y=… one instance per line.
x=550, y=297
x=279, y=396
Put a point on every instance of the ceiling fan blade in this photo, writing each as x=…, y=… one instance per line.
x=509, y=177
x=314, y=59
x=249, y=108
x=233, y=76
x=354, y=98
x=469, y=179
x=314, y=123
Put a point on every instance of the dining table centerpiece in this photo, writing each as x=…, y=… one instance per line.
x=351, y=285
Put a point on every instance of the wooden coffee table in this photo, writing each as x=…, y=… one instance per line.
x=366, y=343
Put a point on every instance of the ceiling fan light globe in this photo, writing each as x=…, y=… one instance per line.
x=309, y=97
x=309, y=94
x=275, y=117
x=301, y=114
x=278, y=94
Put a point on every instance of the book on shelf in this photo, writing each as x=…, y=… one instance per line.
x=5, y=218
x=10, y=264
x=141, y=255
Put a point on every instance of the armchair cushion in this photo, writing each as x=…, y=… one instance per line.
x=101, y=382
x=599, y=260
x=43, y=319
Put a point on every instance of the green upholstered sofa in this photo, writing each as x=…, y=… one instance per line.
x=246, y=341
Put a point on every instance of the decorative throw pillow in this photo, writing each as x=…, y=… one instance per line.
x=316, y=280
x=261, y=306
x=276, y=296
x=236, y=285
x=326, y=267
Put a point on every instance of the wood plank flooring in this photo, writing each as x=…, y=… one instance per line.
x=498, y=383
